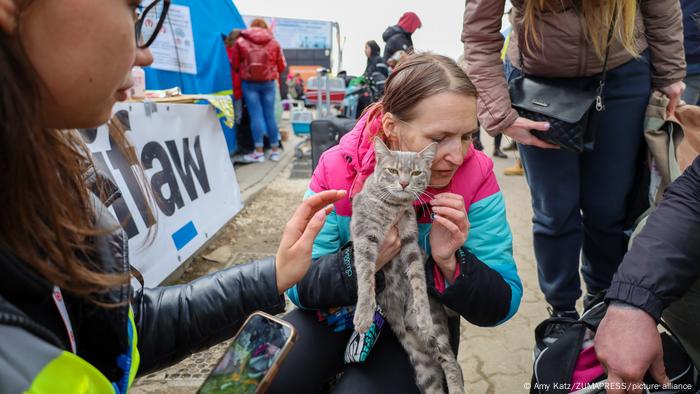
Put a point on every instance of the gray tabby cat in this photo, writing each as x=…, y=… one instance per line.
x=419, y=322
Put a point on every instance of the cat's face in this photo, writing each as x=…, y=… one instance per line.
x=403, y=175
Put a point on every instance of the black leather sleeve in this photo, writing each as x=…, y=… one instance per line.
x=176, y=321
x=331, y=281
x=664, y=260
x=479, y=294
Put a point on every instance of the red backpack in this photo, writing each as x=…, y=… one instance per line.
x=258, y=60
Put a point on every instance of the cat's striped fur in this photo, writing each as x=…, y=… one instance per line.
x=419, y=322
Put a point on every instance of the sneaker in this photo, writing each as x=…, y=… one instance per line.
x=254, y=157
x=499, y=153
x=591, y=299
x=274, y=156
x=555, y=330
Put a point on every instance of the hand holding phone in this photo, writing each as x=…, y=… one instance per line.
x=253, y=358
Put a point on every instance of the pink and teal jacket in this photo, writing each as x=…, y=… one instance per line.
x=486, y=289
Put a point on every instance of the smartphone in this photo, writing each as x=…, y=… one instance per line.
x=253, y=358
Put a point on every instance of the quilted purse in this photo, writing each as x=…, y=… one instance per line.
x=568, y=104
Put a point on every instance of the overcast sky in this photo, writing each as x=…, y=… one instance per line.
x=363, y=20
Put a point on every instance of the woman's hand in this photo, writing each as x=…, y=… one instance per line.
x=391, y=246
x=520, y=132
x=294, y=253
x=674, y=92
x=8, y=16
x=449, y=231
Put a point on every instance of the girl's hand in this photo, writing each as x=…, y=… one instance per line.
x=520, y=132
x=294, y=253
x=449, y=231
x=8, y=16
x=674, y=92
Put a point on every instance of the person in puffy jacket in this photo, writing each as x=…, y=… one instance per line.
x=398, y=37
x=375, y=63
x=259, y=60
x=235, y=76
x=475, y=275
x=70, y=321
x=580, y=200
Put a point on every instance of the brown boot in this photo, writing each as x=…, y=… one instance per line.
x=516, y=170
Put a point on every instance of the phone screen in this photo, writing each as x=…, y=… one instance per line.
x=252, y=353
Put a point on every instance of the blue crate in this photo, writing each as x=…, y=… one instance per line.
x=301, y=128
x=301, y=121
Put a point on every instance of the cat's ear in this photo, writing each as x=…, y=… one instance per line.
x=380, y=149
x=428, y=153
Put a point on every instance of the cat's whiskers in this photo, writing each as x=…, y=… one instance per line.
x=423, y=204
x=427, y=193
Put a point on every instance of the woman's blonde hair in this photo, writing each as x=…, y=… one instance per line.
x=598, y=16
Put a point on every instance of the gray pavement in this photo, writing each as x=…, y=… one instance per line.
x=494, y=360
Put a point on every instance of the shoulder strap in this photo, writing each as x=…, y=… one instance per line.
x=599, y=97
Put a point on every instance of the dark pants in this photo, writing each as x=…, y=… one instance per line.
x=580, y=200
x=318, y=353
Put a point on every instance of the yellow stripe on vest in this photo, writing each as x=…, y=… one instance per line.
x=69, y=373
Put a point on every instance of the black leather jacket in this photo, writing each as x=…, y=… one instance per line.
x=172, y=321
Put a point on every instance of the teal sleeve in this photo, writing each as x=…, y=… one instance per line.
x=491, y=241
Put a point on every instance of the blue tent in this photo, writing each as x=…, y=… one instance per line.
x=211, y=20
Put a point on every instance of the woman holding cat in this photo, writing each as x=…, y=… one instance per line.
x=462, y=229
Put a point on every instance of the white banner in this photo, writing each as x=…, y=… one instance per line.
x=173, y=48
x=297, y=33
x=186, y=164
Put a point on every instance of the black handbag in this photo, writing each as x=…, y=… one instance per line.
x=568, y=104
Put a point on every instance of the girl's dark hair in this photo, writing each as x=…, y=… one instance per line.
x=231, y=38
x=417, y=77
x=374, y=47
x=48, y=219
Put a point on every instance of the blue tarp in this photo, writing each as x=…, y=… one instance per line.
x=212, y=20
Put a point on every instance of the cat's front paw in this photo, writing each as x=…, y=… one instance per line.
x=364, y=316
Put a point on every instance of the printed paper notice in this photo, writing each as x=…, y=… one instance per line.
x=173, y=49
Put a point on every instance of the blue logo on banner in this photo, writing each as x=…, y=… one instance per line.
x=184, y=235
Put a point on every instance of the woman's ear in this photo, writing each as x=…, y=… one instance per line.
x=8, y=16
x=389, y=128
